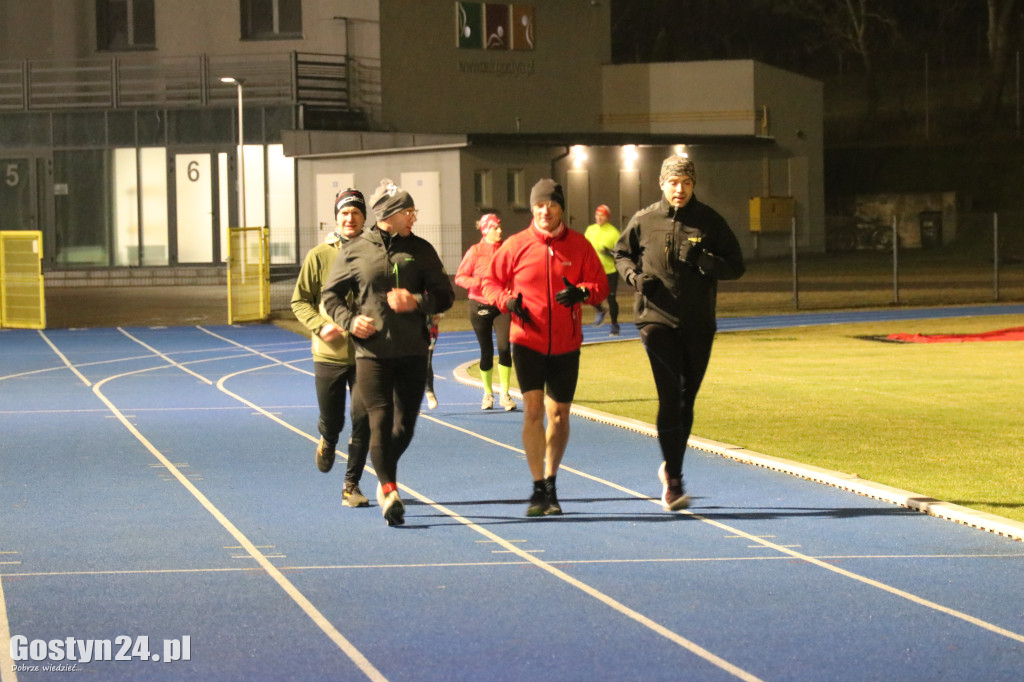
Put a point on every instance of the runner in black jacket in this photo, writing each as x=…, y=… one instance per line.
x=382, y=289
x=674, y=252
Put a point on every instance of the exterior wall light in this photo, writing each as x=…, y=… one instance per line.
x=579, y=156
x=629, y=157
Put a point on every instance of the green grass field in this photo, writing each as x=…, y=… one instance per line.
x=943, y=420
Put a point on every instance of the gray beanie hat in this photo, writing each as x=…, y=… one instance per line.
x=677, y=166
x=389, y=199
x=547, y=190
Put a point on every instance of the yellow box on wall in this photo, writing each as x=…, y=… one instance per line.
x=771, y=214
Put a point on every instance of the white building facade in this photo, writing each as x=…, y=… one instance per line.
x=119, y=141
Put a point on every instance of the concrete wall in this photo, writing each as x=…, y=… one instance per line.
x=695, y=98
x=368, y=171
x=431, y=85
x=51, y=29
x=47, y=29
x=796, y=163
x=535, y=162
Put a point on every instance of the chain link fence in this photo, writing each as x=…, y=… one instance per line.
x=976, y=259
x=871, y=262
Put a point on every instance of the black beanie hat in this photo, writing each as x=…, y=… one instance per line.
x=349, y=197
x=547, y=190
x=389, y=199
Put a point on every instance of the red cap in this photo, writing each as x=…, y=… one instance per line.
x=488, y=222
x=603, y=209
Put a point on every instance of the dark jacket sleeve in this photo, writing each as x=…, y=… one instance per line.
x=438, y=295
x=627, y=253
x=722, y=259
x=337, y=291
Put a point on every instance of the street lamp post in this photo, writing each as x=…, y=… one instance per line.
x=241, y=150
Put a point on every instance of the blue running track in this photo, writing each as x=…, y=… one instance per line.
x=160, y=505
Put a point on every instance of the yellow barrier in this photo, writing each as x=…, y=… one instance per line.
x=22, y=294
x=248, y=274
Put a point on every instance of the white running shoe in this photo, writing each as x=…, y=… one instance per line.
x=431, y=400
x=507, y=402
x=393, y=509
x=673, y=497
x=488, y=402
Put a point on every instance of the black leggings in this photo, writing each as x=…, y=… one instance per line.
x=613, y=303
x=391, y=390
x=331, y=380
x=433, y=331
x=679, y=358
x=484, y=318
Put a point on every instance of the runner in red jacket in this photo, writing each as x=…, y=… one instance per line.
x=543, y=276
x=488, y=322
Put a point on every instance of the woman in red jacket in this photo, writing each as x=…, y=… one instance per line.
x=485, y=317
x=543, y=276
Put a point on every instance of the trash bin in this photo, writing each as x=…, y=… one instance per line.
x=931, y=229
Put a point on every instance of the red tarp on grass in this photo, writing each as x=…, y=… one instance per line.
x=1011, y=334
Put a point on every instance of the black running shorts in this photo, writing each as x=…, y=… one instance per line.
x=555, y=373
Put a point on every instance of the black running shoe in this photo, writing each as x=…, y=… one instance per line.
x=324, y=455
x=352, y=496
x=554, y=509
x=538, y=503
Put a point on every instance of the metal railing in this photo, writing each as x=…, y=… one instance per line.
x=315, y=80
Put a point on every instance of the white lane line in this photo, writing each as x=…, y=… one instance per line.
x=300, y=599
x=497, y=564
x=7, y=668
x=368, y=669
x=130, y=358
x=307, y=606
x=164, y=357
x=636, y=616
x=687, y=644
x=785, y=549
x=64, y=359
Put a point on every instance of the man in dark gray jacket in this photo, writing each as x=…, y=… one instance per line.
x=673, y=253
x=382, y=290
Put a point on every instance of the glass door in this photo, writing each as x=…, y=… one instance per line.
x=195, y=184
x=18, y=195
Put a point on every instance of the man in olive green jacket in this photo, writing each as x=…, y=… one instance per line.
x=333, y=353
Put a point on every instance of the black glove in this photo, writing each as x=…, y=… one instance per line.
x=571, y=295
x=516, y=307
x=646, y=284
x=694, y=251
